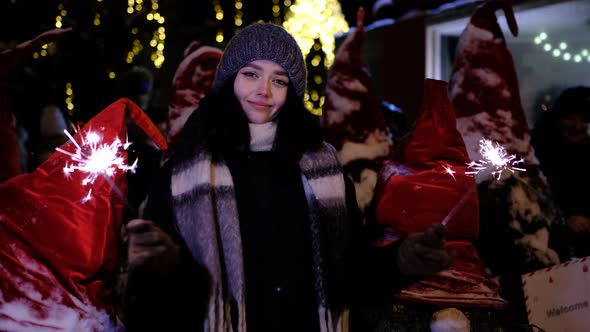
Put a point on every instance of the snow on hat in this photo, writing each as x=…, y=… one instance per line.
x=57, y=247
x=263, y=41
x=191, y=82
x=484, y=86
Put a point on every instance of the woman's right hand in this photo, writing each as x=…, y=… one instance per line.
x=150, y=248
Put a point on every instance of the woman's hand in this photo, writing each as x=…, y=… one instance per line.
x=150, y=248
x=424, y=253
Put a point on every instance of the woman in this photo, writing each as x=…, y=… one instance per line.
x=253, y=222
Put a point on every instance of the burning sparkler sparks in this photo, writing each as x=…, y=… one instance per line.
x=495, y=158
x=96, y=158
x=449, y=170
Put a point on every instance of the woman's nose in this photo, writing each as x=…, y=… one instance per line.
x=263, y=87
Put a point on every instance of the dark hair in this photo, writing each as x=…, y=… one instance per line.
x=135, y=82
x=220, y=127
x=574, y=100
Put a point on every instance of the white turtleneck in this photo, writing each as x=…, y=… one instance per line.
x=262, y=136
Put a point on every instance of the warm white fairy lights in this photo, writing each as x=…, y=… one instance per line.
x=238, y=5
x=158, y=36
x=276, y=12
x=219, y=17
x=561, y=49
x=69, y=98
x=59, y=18
x=320, y=19
x=44, y=51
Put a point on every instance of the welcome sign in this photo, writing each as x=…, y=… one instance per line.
x=558, y=298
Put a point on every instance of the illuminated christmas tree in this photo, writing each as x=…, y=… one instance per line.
x=313, y=23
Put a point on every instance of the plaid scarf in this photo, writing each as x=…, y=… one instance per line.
x=207, y=216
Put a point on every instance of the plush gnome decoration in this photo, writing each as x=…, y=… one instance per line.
x=484, y=86
x=11, y=59
x=427, y=184
x=518, y=215
x=191, y=82
x=59, y=234
x=352, y=120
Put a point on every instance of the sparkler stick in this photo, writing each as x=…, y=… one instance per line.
x=457, y=206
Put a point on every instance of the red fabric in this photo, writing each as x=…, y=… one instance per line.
x=484, y=85
x=54, y=246
x=417, y=191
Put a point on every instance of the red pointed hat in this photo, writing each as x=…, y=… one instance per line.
x=58, y=252
x=351, y=111
x=484, y=85
x=428, y=181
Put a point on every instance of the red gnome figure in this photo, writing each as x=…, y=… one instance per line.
x=521, y=228
x=427, y=184
x=352, y=120
x=191, y=82
x=59, y=229
x=485, y=93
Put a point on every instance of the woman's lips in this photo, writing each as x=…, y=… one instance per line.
x=259, y=105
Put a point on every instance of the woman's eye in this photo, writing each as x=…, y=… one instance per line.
x=281, y=82
x=249, y=74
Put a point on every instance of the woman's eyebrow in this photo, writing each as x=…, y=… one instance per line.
x=277, y=72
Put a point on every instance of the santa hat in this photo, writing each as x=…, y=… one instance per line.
x=190, y=86
x=484, y=85
x=58, y=250
x=427, y=184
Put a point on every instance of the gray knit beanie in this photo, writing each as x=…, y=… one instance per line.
x=263, y=41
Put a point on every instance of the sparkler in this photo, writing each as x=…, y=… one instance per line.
x=449, y=170
x=96, y=158
x=495, y=158
x=457, y=206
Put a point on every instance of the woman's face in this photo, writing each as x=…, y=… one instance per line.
x=261, y=89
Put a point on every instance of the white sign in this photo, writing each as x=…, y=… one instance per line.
x=558, y=298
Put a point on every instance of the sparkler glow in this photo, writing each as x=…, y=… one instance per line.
x=96, y=159
x=449, y=170
x=495, y=158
